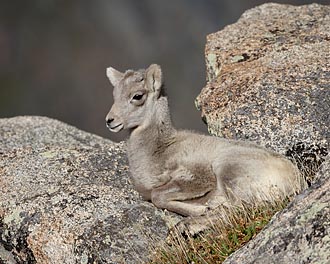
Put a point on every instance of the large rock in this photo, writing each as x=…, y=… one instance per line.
x=268, y=78
x=299, y=233
x=66, y=198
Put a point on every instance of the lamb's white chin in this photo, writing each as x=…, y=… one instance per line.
x=116, y=128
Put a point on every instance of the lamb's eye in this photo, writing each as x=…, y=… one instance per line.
x=137, y=97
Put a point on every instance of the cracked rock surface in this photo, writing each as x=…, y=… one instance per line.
x=66, y=197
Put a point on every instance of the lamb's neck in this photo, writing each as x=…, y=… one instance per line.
x=156, y=134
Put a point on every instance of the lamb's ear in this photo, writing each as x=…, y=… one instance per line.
x=154, y=78
x=114, y=76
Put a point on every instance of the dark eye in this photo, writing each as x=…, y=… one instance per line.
x=137, y=97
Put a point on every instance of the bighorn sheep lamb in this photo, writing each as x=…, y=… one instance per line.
x=186, y=172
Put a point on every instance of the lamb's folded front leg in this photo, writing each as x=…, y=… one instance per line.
x=182, y=192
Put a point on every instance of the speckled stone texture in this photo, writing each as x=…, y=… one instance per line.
x=268, y=78
x=66, y=197
x=299, y=233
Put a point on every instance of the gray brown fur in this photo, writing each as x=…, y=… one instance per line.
x=186, y=172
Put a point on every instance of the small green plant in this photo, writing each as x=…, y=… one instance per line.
x=225, y=237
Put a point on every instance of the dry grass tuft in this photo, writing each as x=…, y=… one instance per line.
x=233, y=228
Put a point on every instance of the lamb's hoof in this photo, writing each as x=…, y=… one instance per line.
x=189, y=227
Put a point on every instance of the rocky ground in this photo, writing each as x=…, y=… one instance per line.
x=66, y=196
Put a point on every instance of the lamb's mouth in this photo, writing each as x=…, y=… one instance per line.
x=116, y=128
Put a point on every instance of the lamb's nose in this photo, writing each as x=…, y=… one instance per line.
x=108, y=121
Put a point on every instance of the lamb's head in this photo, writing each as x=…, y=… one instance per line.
x=135, y=94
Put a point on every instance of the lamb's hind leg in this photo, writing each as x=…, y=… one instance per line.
x=181, y=194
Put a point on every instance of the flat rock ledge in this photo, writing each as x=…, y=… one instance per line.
x=66, y=197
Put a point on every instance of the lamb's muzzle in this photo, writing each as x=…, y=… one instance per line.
x=113, y=126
